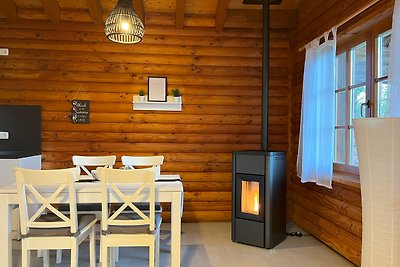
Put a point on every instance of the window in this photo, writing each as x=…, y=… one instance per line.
x=361, y=90
x=381, y=79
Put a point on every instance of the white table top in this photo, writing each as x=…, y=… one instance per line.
x=164, y=183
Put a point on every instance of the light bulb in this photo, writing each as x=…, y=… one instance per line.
x=125, y=26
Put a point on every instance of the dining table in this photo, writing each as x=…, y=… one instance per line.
x=168, y=188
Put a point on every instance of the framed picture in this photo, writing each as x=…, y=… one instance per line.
x=157, y=89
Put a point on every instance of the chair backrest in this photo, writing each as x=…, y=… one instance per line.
x=130, y=162
x=82, y=162
x=59, y=184
x=140, y=185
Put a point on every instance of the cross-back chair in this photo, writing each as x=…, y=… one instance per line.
x=83, y=165
x=83, y=162
x=135, y=228
x=43, y=226
x=132, y=162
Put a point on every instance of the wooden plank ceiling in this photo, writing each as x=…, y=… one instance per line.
x=205, y=13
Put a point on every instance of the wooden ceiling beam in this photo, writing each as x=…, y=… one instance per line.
x=96, y=11
x=138, y=6
x=179, y=14
x=10, y=9
x=52, y=10
x=221, y=14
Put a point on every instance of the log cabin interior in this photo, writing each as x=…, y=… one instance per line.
x=55, y=51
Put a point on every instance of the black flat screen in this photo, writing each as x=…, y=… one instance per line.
x=24, y=127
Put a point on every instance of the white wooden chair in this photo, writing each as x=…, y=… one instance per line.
x=134, y=228
x=83, y=162
x=132, y=162
x=83, y=165
x=43, y=227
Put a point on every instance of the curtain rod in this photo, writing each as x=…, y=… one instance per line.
x=345, y=20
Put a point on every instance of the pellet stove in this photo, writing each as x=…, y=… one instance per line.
x=259, y=177
x=259, y=198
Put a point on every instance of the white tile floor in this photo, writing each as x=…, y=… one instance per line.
x=209, y=244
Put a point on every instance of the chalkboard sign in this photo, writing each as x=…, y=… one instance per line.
x=81, y=111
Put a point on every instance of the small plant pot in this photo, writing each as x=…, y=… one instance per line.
x=141, y=98
x=177, y=99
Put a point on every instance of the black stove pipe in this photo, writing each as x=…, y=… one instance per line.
x=265, y=76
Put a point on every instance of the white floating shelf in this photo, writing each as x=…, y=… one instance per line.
x=170, y=105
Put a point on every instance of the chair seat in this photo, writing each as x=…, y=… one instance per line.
x=140, y=229
x=90, y=207
x=143, y=206
x=83, y=221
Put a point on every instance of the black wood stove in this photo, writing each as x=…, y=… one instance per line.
x=259, y=178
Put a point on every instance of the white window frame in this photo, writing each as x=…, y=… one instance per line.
x=369, y=36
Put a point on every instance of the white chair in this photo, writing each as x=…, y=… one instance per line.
x=43, y=227
x=135, y=228
x=83, y=164
x=132, y=162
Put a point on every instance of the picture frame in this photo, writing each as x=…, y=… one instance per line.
x=157, y=89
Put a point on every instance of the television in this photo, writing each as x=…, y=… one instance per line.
x=20, y=131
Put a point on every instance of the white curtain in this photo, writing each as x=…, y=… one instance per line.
x=317, y=126
x=394, y=65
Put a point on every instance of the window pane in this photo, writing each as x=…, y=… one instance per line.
x=383, y=90
x=353, y=149
x=383, y=53
x=358, y=64
x=358, y=97
x=341, y=108
x=341, y=71
x=340, y=146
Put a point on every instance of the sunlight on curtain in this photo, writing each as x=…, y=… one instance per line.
x=394, y=65
x=316, y=141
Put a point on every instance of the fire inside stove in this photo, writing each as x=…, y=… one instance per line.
x=250, y=197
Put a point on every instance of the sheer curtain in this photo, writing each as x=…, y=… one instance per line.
x=317, y=126
x=394, y=66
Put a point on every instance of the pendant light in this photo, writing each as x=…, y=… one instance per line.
x=123, y=24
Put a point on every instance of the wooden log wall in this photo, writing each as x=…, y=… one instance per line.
x=333, y=216
x=219, y=75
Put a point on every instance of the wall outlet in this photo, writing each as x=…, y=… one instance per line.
x=4, y=135
x=3, y=51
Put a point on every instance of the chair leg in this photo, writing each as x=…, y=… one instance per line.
x=25, y=253
x=18, y=226
x=151, y=255
x=74, y=254
x=92, y=248
x=46, y=258
x=157, y=248
x=59, y=256
x=104, y=252
x=101, y=248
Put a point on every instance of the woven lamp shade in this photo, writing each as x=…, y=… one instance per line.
x=123, y=24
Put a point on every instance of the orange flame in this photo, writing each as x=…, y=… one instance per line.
x=256, y=205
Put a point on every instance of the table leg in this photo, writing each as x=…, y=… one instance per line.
x=5, y=232
x=176, y=229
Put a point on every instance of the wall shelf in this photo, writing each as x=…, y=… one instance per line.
x=170, y=105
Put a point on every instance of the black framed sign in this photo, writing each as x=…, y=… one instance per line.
x=81, y=111
x=157, y=89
